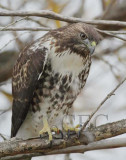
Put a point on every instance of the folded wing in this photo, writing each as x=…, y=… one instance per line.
x=26, y=72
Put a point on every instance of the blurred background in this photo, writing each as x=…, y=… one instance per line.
x=107, y=70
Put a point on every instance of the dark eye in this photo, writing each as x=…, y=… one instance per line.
x=83, y=36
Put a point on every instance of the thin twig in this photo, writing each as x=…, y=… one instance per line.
x=103, y=101
x=13, y=40
x=108, y=51
x=1, y=135
x=25, y=29
x=3, y=83
x=4, y=111
x=38, y=22
x=111, y=34
x=4, y=7
x=14, y=22
x=56, y=16
x=112, y=67
x=49, y=29
x=115, y=32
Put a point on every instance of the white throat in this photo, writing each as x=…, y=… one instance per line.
x=67, y=62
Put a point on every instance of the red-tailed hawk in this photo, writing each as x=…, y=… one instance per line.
x=48, y=76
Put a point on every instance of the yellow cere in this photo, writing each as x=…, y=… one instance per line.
x=93, y=43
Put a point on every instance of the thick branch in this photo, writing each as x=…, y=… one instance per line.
x=103, y=144
x=117, y=12
x=60, y=146
x=53, y=15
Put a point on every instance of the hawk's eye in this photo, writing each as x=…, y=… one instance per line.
x=83, y=36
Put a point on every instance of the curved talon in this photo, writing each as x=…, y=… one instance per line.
x=46, y=129
x=51, y=142
x=40, y=136
x=61, y=134
x=69, y=129
x=68, y=133
x=78, y=134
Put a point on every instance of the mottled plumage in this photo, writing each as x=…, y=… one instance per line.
x=48, y=76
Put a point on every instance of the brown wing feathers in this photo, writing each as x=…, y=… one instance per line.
x=25, y=76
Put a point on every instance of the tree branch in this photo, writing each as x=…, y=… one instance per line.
x=49, y=29
x=117, y=12
x=25, y=29
x=14, y=22
x=7, y=60
x=56, y=16
x=37, y=146
x=111, y=33
x=108, y=9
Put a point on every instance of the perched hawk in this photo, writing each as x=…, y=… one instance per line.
x=48, y=76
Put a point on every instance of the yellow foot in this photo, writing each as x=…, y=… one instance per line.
x=46, y=129
x=69, y=129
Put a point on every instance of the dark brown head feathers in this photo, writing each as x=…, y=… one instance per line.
x=72, y=30
x=68, y=37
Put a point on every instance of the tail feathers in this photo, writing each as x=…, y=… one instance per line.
x=19, y=112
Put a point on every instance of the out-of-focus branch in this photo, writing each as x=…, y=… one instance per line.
x=108, y=9
x=13, y=40
x=38, y=22
x=53, y=15
x=108, y=51
x=2, y=136
x=6, y=110
x=111, y=34
x=25, y=29
x=14, y=22
x=49, y=29
x=7, y=60
x=39, y=146
x=117, y=12
x=103, y=4
x=79, y=13
x=4, y=7
x=112, y=67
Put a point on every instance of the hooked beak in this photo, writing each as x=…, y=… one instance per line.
x=91, y=46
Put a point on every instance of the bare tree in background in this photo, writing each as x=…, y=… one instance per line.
x=108, y=71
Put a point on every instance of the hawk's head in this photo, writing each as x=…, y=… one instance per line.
x=78, y=37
